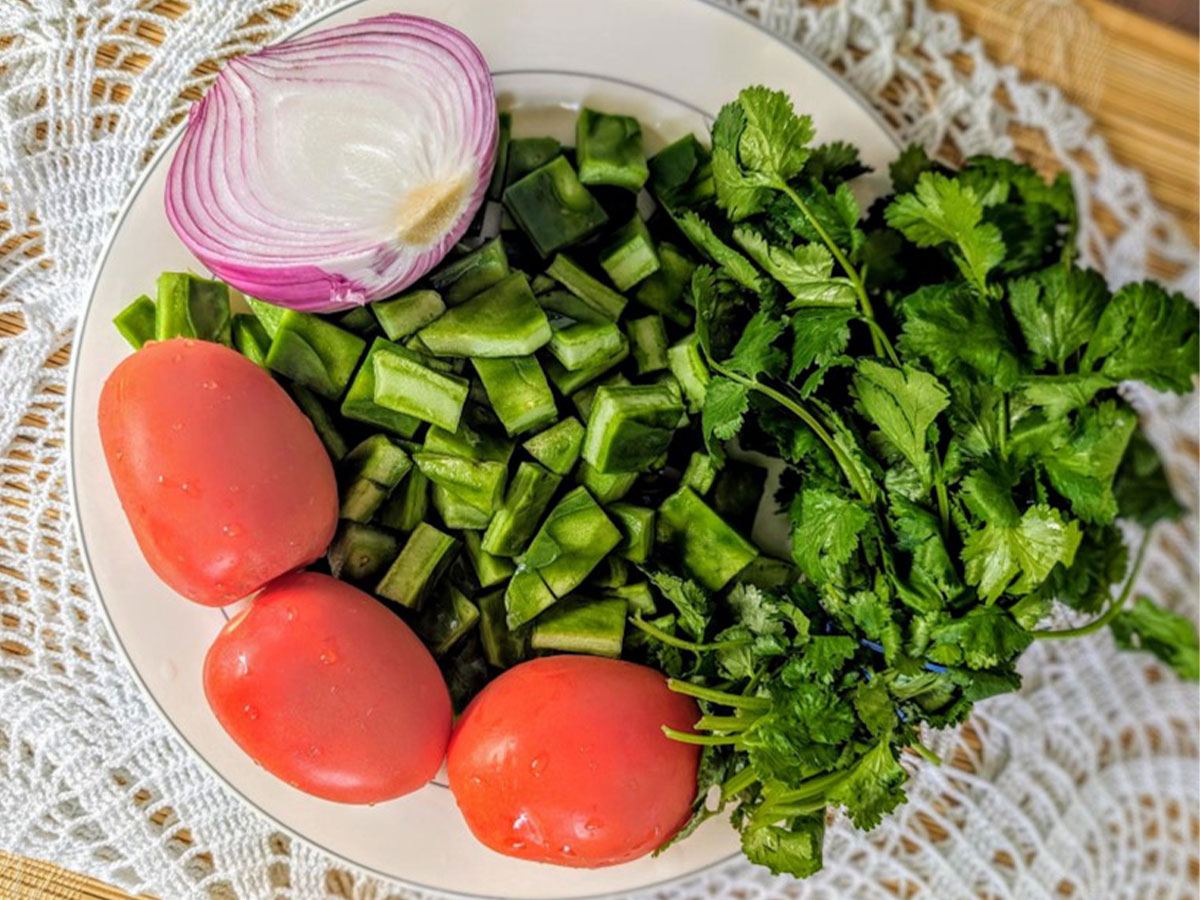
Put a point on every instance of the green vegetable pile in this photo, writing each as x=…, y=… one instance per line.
x=554, y=443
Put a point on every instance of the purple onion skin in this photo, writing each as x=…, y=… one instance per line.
x=331, y=276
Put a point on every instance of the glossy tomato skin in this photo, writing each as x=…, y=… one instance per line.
x=221, y=476
x=327, y=689
x=562, y=760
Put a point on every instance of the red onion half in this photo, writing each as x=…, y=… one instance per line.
x=336, y=169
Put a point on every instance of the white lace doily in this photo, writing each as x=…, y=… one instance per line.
x=1083, y=785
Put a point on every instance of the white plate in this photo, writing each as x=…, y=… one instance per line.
x=672, y=63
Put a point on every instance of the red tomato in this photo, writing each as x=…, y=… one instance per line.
x=563, y=760
x=326, y=688
x=221, y=475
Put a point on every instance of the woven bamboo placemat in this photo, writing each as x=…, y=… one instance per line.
x=1138, y=78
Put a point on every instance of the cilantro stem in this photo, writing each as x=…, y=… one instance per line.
x=878, y=339
x=813, y=787
x=723, y=723
x=738, y=783
x=925, y=753
x=770, y=812
x=724, y=698
x=704, y=740
x=805, y=416
x=1114, y=607
x=878, y=332
x=667, y=638
x=939, y=487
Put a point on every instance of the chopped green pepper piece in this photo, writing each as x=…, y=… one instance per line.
x=313, y=407
x=469, y=444
x=518, y=392
x=425, y=556
x=408, y=313
x=609, y=150
x=503, y=140
x=251, y=339
x=571, y=542
x=192, y=307
x=663, y=291
x=606, y=487
x=629, y=256
x=540, y=284
x=637, y=531
x=445, y=620
x=681, y=173
x=404, y=384
x=687, y=365
x=525, y=597
x=568, y=382
x=567, y=304
x=464, y=277
x=529, y=493
x=638, y=597
x=405, y=508
x=603, y=299
x=489, y=569
x=552, y=206
x=456, y=512
x=584, y=397
x=360, y=404
x=314, y=353
x=710, y=551
x=136, y=323
x=700, y=473
x=503, y=320
x=378, y=459
x=479, y=484
x=648, y=338
x=583, y=345
x=360, y=321
x=465, y=670
x=359, y=552
x=527, y=154
x=501, y=646
x=738, y=493
x=612, y=572
x=557, y=448
x=596, y=627
x=361, y=499
x=631, y=426
x=268, y=314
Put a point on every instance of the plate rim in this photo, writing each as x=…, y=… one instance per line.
x=170, y=141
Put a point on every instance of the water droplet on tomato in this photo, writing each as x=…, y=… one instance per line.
x=566, y=850
x=476, y=780
x=233, y=489
x=178, y=357
x=514, y=844
x=591, y=826
x=290, y=612
x=329, y=656
x=177, y=426
x=314, y=751
x=538, y=765
x=250, y=710
x=161, y=479
x=243, y=667
x=185, y=487
x=231, y=530
x=209, y=385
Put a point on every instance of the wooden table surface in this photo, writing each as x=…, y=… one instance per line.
x=1141, y=84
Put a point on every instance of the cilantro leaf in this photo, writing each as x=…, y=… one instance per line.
x=822, y=659
x=826, y=530
x=952, y=327
x=775, y=140
x=1061, y=394
x=691, y=601
x=1146, y=334
x=805, y=271
x=875, y=707
x=932, y=578
x=705, y=240
x=1082, y=468
x=793, y=849
x=834, y=162
x=903, y=404
x=985, y=637
x=739, y=194
x=836, y=212
x=906, y=168
x=942, y=210
x=1168, y=635
x=1086, y=584
x=725, y=405
x=873, y=788
x=1057, y=309
x=873, y=615
x=1017, y=557
x=821, y=335
x=755, y=353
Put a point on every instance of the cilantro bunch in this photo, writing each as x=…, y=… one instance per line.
x=939, y=376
